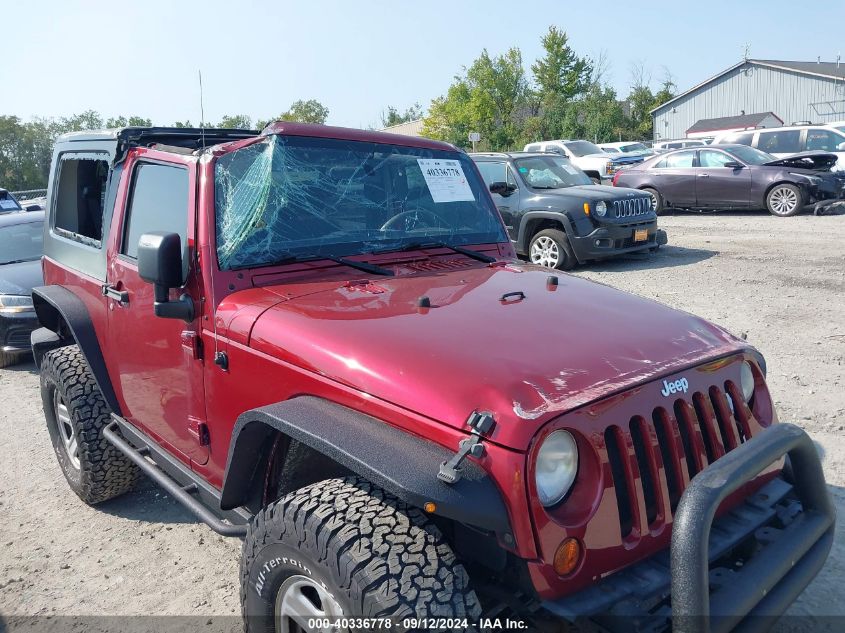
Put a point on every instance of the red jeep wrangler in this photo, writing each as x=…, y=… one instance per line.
x=319, y=340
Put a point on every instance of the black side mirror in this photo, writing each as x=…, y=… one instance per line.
x=734, y=164
x=502, y=188
x=160, y=263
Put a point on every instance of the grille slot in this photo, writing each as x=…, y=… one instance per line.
x=698, y=430
x=645, y=462
x=620, y=480
x=669, y=453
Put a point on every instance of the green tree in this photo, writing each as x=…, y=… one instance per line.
x=561, y=77
x=133, y=121
x=311, y=111
x=392, y=116
x=238, y=121
x=489, y=98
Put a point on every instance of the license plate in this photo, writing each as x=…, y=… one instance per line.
x=641, y=235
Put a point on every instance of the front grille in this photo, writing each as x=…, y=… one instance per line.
x=18, y=338
x=631, y=207
x=666, y=448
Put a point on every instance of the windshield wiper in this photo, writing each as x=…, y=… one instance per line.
x=481, y=257
x=367, y=268
x=20, y=261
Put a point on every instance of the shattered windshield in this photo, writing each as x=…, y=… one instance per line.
x=550, y=172
x=291, y=196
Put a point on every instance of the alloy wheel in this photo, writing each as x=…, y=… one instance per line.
x=300, y=602
x=784, y=200
x=67, y=431
x=545, y=252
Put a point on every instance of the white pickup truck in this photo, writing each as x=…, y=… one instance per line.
x=589, y=157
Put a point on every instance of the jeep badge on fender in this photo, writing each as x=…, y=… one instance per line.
x=303, y=339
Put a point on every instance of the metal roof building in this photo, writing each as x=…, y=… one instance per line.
x=793, y=91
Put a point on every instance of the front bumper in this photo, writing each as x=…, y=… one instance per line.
x=609, y=240
x=15, y=329
x=761, y=554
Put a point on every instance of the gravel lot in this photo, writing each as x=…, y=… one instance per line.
x=781, y=282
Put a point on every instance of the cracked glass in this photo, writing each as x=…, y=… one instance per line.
x=288, y=197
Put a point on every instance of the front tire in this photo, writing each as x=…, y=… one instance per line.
x=785, y=200
x=550, y=248
x=344, y=548
x=76, y=415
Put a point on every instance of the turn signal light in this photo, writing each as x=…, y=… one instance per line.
x=587, y=208
x=567, y=556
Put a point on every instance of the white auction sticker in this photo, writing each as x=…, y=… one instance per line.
x=446, y=180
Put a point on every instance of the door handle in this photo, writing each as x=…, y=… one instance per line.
x=121, y=296
x=704, y=175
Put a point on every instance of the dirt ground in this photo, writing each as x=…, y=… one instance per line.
x=780, y=282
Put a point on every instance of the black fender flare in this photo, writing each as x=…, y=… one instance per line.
x=399, y=462
x=523, y=239
x=55, y=305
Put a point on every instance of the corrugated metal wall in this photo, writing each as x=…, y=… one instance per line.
x=754, y=89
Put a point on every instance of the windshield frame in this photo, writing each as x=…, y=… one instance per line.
x=556, y=160
x=316, y=248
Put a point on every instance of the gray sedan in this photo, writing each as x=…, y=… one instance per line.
x=735, y=177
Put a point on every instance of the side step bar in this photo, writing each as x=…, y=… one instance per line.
x=193, y=493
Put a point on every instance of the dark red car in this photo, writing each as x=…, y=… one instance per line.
x=735, y=177
x=319, y=340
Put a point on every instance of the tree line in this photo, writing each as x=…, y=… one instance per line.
x=564, y=96
x=26, y=147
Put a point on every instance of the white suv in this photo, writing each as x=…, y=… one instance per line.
x=786, y=141
x=588, y=157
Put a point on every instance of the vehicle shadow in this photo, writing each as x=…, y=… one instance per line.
x=148, y=503
x=665, y=257
x=26, y=365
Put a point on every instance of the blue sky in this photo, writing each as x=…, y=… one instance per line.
x=141, y=58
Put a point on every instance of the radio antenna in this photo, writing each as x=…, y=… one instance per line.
x=202, y=113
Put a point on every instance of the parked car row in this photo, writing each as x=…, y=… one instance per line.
x=588, y=157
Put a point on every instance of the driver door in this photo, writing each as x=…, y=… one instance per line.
x=154, y=362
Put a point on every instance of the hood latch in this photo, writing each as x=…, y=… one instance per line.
x=480, y=424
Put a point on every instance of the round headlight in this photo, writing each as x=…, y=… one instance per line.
x=557, y=464
x=746, y=380
x=601, y=209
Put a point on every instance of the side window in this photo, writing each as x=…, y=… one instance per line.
x=824, y=140
x=744, y=138
x=79, y=198
x=681, y=160
x=158, y=202
x=780, y=142
x=511, y=178
x=493, y=172
x=712, y=158
x=674, y=145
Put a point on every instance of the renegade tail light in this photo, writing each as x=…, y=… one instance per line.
x=616, y=178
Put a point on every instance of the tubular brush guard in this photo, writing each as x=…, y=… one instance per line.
x=769, y=583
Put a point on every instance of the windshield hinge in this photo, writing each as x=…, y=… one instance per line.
x=480, y=424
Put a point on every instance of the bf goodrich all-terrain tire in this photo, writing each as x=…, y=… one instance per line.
x=76, y=416
x=344, y=548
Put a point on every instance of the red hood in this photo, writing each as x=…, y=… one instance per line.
x=524, y=360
